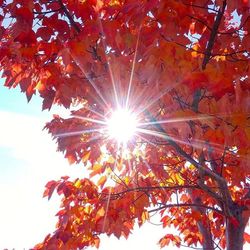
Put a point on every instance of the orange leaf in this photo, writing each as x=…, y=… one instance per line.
x=176, y=240
x=97, y=169
x=86, y=157
x=247, y=237
x=102, y=181
x=196, y=215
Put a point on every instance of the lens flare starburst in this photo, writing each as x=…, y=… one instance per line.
x=122, y=125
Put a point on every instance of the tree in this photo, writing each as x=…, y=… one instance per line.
x=183, y=68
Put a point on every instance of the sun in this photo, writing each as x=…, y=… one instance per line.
x=122, y=125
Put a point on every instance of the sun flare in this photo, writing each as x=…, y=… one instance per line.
x=122, y=125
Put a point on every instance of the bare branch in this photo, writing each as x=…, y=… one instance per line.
x=200, y=21
x=213, y=35
x=46, y=12
x=185, y=205
x=201, y=7
x=143, y=189
x=71, y=20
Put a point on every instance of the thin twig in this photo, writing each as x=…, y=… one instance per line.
x=46, y=12
x=143, y=189
x=185, y=205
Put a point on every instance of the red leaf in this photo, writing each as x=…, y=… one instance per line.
x=24, y=13
x=44, y=33
x=50, y=187
x=196, y=80
x=247, y=237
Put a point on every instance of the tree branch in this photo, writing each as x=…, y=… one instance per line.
x=226, y=197
x=203, y=226
x=196, y=100
x=185, y=205
x=200, y=7
x=71, y=20
x=143, y=189
x=213, y=35
x=46, y=12
x=200, y=21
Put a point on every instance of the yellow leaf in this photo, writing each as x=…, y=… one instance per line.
x=178, y=179
x=97, y=167
x=86, y=157
x=101, y=212
x=102, y=181
x=144, y=216
x=77, y=183
x=127, y=180
x=111, y=160
x=191, y=167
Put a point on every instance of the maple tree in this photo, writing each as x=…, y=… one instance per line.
x=183, y=68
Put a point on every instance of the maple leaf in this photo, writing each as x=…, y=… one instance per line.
x=102, y=181
x=170, y=238
x=50, y=187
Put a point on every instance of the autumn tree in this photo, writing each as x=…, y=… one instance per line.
x=181, y=68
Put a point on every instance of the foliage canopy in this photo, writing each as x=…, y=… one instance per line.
x=183, y=68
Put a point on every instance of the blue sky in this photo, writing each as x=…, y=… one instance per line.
x=28, y=159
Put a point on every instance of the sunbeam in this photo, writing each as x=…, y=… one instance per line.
x=164, y=136
x=122, y=125
x=145, y=139
x=89, y=79
x=106, y=211
x=108, y=63
x=197, y=144
x=133, y=68
x=87, y=131
x=154, y=133
x=175, y=120
x=154, y=99
x=89, y=119
x=94, y=112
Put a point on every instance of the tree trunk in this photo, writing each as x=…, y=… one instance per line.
x=205, y=231
x=207, y=236
x=235, y=227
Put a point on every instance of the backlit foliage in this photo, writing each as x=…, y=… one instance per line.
x=182, y=67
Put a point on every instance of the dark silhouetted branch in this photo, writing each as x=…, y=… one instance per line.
x=184, y=205
x=71, y=20
x=213, y=34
